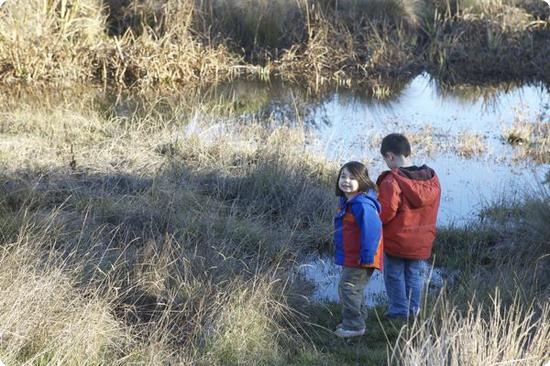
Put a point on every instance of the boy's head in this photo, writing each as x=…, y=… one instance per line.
x=395, y=149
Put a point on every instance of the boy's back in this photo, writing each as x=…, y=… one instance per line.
x=409, y=196
x=410, y=200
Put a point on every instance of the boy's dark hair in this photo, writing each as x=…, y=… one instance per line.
x=395, y=143
x=360, y=173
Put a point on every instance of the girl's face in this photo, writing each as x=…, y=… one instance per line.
x=347, y=183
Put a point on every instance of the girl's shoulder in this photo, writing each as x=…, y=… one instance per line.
x=367, y=200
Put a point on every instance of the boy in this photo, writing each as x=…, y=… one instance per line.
x=409, y=196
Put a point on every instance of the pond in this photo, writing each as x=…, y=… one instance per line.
x=459, y=131
x=350, y=128
x=461, y=134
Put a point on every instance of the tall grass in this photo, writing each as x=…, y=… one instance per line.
x=185, y=42
x=168, y=235
x=261, y=28
x=45, y=318
x=489, y=334
x=41, y=39
x=476, y=38
x=175, y=236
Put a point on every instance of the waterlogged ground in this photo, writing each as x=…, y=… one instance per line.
x=440, y=123
x=458, y=130
x=459, y=133
x=325, y=275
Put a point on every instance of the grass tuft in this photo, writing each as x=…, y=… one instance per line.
x=531, y=138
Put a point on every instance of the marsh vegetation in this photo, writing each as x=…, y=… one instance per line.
x=152, y=214
x=177, y=43
x=166, y=232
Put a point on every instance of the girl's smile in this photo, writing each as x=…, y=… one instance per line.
x=347, y=183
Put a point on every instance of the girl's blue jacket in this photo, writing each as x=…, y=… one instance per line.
x=358, y=232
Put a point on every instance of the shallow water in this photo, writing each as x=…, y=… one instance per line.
x=348, y=125
x=351, y=129
x=325, y=275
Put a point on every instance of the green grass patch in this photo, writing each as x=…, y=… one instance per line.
x=464, y=247
x=370, y=349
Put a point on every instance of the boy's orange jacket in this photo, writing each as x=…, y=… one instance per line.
x=410, y=200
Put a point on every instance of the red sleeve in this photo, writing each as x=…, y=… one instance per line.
x=389, y=195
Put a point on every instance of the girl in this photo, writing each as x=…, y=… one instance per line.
x=358, y=243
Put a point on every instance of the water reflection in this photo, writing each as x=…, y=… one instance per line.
x=457, y=129
x=442, y=130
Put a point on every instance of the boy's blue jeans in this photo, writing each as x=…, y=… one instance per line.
x=404, y=283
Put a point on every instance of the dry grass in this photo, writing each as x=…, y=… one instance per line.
x=470, y=144
x=185, y=42
x=262, y=28
x=45, y=40
x=474, y=40
x=350, y=45
x=46, y=319
x=507, y=335
x=532, y=139
x=497, y=311
x=166, y=51
x=173, y=231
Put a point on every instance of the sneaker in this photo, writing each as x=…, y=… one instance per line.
x=346, y=333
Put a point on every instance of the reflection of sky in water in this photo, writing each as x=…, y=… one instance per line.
x=421, y=103
x=350, y=129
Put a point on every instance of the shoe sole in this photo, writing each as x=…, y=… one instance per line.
x=351, y=333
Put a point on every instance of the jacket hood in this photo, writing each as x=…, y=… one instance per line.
x=368, y=198
x=419, y=185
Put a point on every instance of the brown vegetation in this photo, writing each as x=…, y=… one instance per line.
x=183, y=42
x=169, y=236
x=530, y=138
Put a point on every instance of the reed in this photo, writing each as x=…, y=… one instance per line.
x=470, y=144
x=447, y=336
x=530, y=138
x=480, y=39
x=184, y=42
x=44, y=40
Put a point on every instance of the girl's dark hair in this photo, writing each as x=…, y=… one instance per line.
x=395, y=143
x=360, y=173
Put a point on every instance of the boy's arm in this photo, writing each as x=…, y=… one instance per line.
x=370, y=228
x=389, y=196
